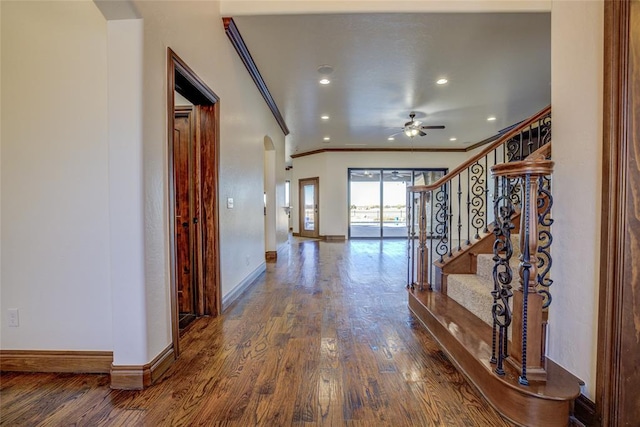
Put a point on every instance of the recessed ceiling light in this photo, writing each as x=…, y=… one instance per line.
x=442, y=81
x=325, y=117
x=491, y=119
x=453, y=139
x=325, y=81
x=391, y=138
x=326, y=138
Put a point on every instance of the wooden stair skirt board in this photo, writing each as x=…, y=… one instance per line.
x=467, y=342
x=80, y=362
x=137, y=377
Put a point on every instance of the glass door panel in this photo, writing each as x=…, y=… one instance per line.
x=364, y=209
x=394, y=202
x=309, y=217
x=309, y=207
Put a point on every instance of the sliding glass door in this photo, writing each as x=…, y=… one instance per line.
x=378, y=200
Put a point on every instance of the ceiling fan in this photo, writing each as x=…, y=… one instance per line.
x=414, y=127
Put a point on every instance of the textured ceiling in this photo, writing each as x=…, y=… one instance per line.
x=386, y=65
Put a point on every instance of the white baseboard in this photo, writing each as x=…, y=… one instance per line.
x=229, y=298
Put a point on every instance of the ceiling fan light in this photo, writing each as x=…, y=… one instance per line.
x=414, y=132
x=407, y=132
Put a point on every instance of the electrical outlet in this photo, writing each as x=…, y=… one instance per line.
x=14, y=320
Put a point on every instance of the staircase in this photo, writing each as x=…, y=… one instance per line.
x=479, y=273
x=473, y=291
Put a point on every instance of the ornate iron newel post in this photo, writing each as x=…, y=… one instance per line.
x=527, y=320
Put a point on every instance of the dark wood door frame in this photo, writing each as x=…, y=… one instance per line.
x=617, y=400
x=316, y=219
x=184, y=80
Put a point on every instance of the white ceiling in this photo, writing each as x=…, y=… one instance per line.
x=386, y=65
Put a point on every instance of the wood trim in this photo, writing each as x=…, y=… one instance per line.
x=458, y=170
x=137, y=377
x=316, y=231
x=243, y=286
x=334, y=238
x=238, y=43
x=181, y=78
x=379, y=149
x=483, y=142
x=584, y=410
x=86, y=362
x=271, y=256
x=616, y=139
x=534, y=166
x=467, y=342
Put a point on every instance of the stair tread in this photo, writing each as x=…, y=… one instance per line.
x=476, y=338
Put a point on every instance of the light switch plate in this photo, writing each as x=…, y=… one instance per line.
x=229, y=202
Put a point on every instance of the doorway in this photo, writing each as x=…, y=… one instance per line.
x=193, y=159
x=187, y=227
x=309, y=207
x=378, y=200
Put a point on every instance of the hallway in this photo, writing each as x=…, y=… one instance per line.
x=324, y=338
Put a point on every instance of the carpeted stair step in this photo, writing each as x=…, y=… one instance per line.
x=473, y=293
x=485, y=269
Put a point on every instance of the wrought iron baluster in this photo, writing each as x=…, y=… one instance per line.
x=441, y=221
x=525, y=267
x=545, y=239
x=545, y=130
x=486, y=194
x=422, y=241
x=459, y=214
x=502, y=274
x=468, y=242
x=477, y=172
x=450, y=215
x=431, y=236
x=409, y=221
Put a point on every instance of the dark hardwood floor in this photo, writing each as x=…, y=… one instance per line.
x=324, y=338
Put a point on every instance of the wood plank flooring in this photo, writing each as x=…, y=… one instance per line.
x=324, y=338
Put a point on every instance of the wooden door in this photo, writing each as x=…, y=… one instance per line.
x=309, y=207
x=184, y=213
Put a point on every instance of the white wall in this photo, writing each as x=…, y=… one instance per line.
x=332, y=167
x=194, y=30
x=55, y=211
x=126, y=191
x=82, y=150
x=576, y=93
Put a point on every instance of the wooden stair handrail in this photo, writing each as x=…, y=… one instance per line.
x=533, y=165
x=458, y=170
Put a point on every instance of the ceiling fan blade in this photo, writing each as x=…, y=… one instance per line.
x=432, y=127
x=421, y=133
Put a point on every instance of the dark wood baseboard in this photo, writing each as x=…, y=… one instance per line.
x=137, y=377
x=89, y=362
x=335, y=238
x=271, y=256
x=584, y=410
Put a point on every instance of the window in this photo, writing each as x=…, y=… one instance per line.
x=287, y=192
x=378, y=200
